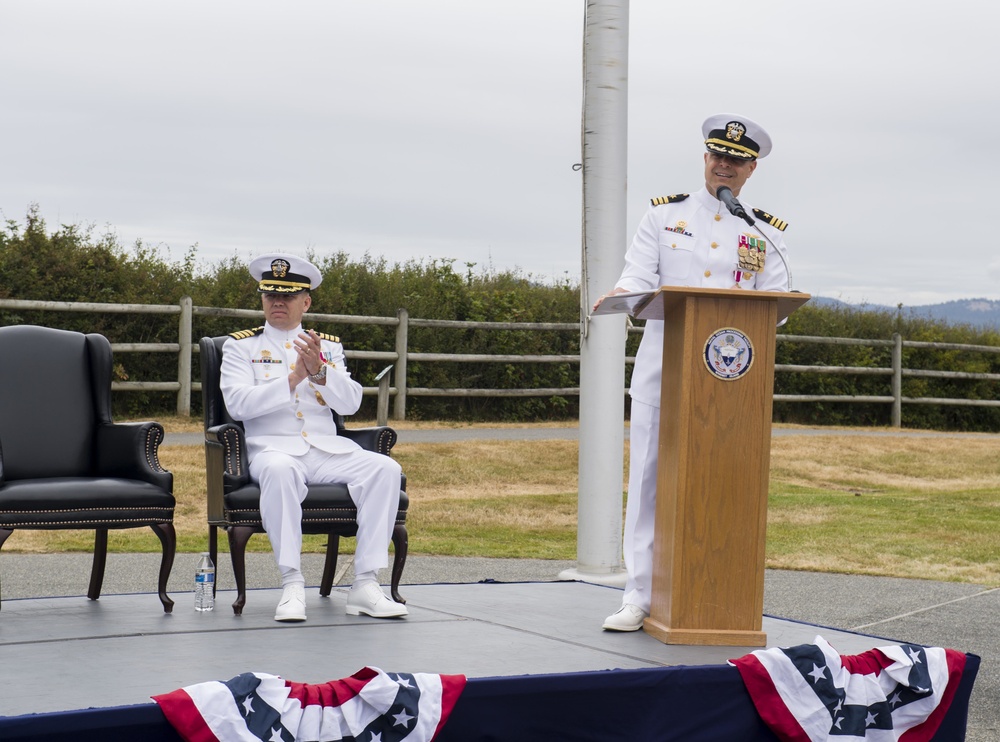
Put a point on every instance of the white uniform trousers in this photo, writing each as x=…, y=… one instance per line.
x=640, y=507
x=373, y=482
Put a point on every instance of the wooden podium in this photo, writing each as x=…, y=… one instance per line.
x=714, y=458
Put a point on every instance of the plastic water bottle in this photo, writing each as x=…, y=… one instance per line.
x=204, y=584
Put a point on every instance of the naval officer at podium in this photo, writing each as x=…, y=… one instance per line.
x=688, y=240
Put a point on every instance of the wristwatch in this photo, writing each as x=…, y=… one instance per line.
x=319, y=375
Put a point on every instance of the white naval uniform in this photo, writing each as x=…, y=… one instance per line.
x=292, y=440
x=692, y=242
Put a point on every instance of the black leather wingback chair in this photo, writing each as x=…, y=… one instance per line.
x=234, y=500
x=63, y=463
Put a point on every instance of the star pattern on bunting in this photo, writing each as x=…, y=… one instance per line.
x=402, y=719
x=818, y=673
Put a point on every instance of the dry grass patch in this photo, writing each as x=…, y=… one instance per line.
x=486, y=469
x=529, y=526
x=852, y=463
x=177, y=423
x=187, y=463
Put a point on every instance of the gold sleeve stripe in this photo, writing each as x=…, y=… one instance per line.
x=244, y=334
x=661, y=200
x=780, y=224
x=327, y=336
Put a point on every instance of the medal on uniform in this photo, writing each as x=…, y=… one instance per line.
x=750, y=253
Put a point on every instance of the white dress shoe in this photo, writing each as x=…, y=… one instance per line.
x=370, y=600
x=292, y=606
x=627, y=618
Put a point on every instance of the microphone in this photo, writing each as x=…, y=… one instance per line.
x=725, y=195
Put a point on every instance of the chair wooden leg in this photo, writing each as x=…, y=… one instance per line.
x=168, y=540
x=330, y=565
x=100, y=559
x=400, y=545
x=4, y=534
x=213, y=554
x=238, y=537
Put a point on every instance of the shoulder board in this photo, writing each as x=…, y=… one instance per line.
x=327, y=336
x=661, y=200
x=244, y=334
x=780, y=224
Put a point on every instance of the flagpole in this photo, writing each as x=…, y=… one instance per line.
x=602, y=342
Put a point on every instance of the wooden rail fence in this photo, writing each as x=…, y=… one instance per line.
x=398, y=358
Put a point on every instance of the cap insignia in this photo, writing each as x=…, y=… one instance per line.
x=280, y=268
x=735, y=131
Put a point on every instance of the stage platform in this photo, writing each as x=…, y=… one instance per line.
x=68, y=653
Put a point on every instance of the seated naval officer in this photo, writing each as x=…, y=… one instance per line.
x=282, y=381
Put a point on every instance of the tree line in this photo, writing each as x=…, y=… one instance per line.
x=74, y=263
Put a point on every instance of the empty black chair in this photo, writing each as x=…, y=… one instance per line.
x=234, y=500
x=63, y=463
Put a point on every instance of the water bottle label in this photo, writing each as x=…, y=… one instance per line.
x=204, y=578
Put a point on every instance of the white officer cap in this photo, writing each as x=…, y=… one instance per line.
x=279, y=273
x=735, y=136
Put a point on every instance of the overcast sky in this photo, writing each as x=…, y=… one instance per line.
x=449, y=128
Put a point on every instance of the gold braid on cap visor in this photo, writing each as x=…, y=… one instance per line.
x=730, y=145
x=281, y=286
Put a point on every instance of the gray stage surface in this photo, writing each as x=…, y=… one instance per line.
x=480, y=617
x=70, y=653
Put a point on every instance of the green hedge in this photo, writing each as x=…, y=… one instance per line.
x=866, y=323
x=74, y=264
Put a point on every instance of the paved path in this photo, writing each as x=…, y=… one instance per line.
x=536, y=433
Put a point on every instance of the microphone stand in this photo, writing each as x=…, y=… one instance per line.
x=737, y=210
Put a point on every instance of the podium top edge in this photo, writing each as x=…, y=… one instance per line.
x=654, y=307
x=731, y=293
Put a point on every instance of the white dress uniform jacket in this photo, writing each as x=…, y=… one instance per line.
x=692, y=242
x=254, y=382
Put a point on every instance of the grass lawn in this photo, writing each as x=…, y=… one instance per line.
x=918, y=507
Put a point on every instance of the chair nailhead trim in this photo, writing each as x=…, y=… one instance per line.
x=232, y=441
x=154, y=436
x=150, y=508
x=92, y=523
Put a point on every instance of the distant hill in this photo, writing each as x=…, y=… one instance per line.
x=982, y=313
